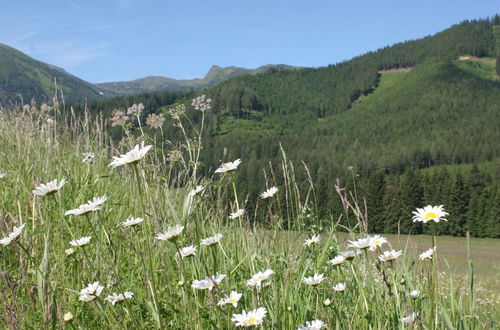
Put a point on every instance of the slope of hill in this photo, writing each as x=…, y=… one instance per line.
x=215, y=75
x=22, y=76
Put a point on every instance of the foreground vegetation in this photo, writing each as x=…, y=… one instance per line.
x=154, y=244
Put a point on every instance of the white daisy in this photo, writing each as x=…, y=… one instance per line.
x=415, y=293
x=68, y=317
x=88, y=157
x=313, y=280
x=131, y=157
x=50, y=188
x=390, y=255
x=349, y=255
x=187, y=251
x=196, y=190
x=81, y=241
x=212, y=240
x=237, y=214
x=90, y=206
x=208, y=282
x=427, y=254
x=429, y=213
x=117, y=297
x=251, y=319
x=337, y=260
x=233, y=299
x=313, y=240
x=2, y=175
x=91, y=292
x=69, y=251
x=410, y=318
x=312, y=325
x=269, y=193
x=13, y=235
x=171, y=234
x=226, y=167
x=368, y=242
x=260, y=277
x=339, y=287
x=131, y=222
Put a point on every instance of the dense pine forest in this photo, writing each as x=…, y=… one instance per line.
x=408, y=125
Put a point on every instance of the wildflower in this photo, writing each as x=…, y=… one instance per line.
x=91, y=292
x=269, y=193
x=337, y=260
x=131, y=157
x=250, y=319
x=135, y=109
x=415, y=293
x=119, y=118
x=313, y=280
x=81, y=242
x=69, y=251
x=212, y=240
x=390, y=255
x=313, y=240
x=233, y=299
x=327, y=302
x=260, y=277
x=369, y=242
x=410, y=319
x=312, y=325
x=50, y=188
x=90, y=206
x=429, y=213
x=201, y=103
x=171, y=234
x=237, y=214
x=117, y=297
x=226, y=167
x=2, y=175
x=68, y=317
x=349, y=255
x=208, y=282
x=155, y=121
x=132, y=222
x=196, y=190
x=427, y=254
x=88, y=157
x=13, y=235
x=339, y=287
x=187, y=251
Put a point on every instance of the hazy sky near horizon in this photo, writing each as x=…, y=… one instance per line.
x=115, y=40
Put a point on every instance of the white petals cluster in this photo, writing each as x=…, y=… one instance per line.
x=227, y=167
x=237, y=214
x=91, y=292
x=90, y=206
x=117, y=297
x=339, y=287
x=410, y=319
x=13, y=235
x=368, y=242
x=313, y=240
x=269, y=192
x=187, y=251
x=81, y=241
x=313, y=280
x=212, y=240
x=232, y=299
x=88, y=157
x=260, y=277
x=49, y=188
x=131, y=157
x=196, y=190
x=171, y=234
x=415, y=293
x=251, y=319
x=350, y=254
x=208, y=282
x=337, y=260
x=427, y=254
x=428, y=213
x=390, y=255
x=312, y=325
x=132, y=222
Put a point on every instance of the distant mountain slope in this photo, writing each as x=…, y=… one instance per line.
x=215, y=75
x=21, y=75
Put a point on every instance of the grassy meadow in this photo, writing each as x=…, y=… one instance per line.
x=154, y=258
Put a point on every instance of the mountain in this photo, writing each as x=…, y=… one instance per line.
x=23, y=76
x=215, y=75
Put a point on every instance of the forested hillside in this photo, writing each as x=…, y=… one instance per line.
x=393, y=115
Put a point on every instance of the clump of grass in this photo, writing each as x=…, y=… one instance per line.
x=164, y=250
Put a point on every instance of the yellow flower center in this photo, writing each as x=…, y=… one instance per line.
x=430, y=215
x=252, y=320
x=376, y=243
x=233, y=301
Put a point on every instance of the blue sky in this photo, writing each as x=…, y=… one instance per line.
x=114, y=40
